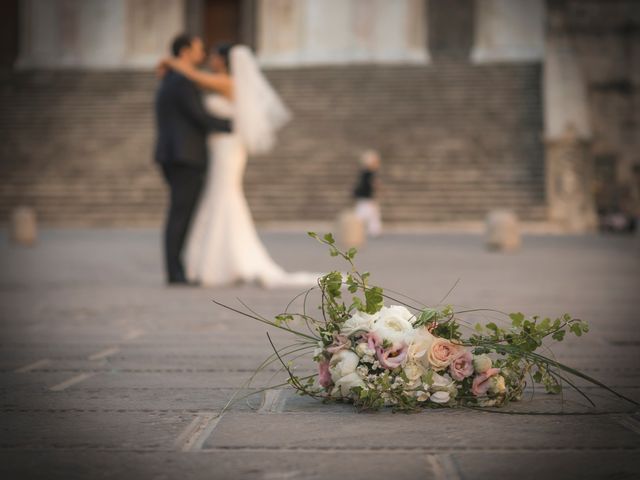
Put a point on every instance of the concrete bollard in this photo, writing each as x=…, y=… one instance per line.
x=350, y=228
x=503, y=232
x=23, y=226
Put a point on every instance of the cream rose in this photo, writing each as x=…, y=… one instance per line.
x=420, y=346
x=442, y=353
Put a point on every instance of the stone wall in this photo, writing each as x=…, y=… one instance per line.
x=605, y=36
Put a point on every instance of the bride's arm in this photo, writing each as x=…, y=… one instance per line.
x=220, y=82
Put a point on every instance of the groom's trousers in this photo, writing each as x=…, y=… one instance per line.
x=185, y=184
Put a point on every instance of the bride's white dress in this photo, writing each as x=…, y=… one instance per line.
x=223, y=246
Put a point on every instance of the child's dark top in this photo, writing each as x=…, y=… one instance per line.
x=365, y=186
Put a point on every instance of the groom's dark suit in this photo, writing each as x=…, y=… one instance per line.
x=181, y=150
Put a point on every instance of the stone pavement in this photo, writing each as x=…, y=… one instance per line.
x=107, y=373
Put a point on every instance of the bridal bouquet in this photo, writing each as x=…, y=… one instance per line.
x=409, y=356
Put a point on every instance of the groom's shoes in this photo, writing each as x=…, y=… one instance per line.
x=181, y=282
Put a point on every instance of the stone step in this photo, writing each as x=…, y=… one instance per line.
x=455, y=138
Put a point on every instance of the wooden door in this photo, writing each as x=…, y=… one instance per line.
x=8, y=32
x=222, y=21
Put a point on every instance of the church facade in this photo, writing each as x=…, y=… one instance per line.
x=473, y=105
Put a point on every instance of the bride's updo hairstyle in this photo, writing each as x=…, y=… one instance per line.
x=224, y=51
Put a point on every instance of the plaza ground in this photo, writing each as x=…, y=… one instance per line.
x=107, y=373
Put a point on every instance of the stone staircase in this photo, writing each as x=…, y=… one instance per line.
x=456, y=139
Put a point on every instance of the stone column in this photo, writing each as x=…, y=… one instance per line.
x=150, y=27
x=280, y=31
x=97, y=34
x=309, y=32
x=508, y=30
x=570, y=182
x=568, y=162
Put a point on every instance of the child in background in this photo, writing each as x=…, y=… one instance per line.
x=365, y=193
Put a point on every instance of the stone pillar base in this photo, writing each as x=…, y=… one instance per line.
x=569, y=172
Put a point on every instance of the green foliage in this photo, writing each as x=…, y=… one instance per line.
x=426, y=317
x=374, y=299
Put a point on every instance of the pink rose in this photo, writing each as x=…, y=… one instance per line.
x=392, y=357
x=481, y=382
x=462, y=366
x=324, y=376
x=442, y=353
x=340, y=342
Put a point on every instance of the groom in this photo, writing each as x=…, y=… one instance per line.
x=181, y=149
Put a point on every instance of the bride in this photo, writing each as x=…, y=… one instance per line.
x=223, y=246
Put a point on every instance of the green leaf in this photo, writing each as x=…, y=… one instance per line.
x=545, y=324
x=428, y=315
x=516, y=319
x=559, y=335
x=374, y=299
x=329, y=238
x=427, y=378
x=576, y=329
x=492, y=326
x=352, y=253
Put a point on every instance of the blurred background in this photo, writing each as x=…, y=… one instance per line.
x=530, y=105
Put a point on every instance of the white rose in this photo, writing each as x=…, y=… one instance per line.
x=440, y=397
x=400, y=311
x=441, y=380
x=393, y=324
x=358, y=322
x=364, y=350
x=342, y=364
x=443, y=383
x=345, y=384
x=420, y=346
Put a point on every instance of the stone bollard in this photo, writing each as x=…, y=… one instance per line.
x=23, y=226
x=351, y=232
x=502, y=232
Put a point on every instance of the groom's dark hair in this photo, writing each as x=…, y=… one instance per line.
x=181, y=41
